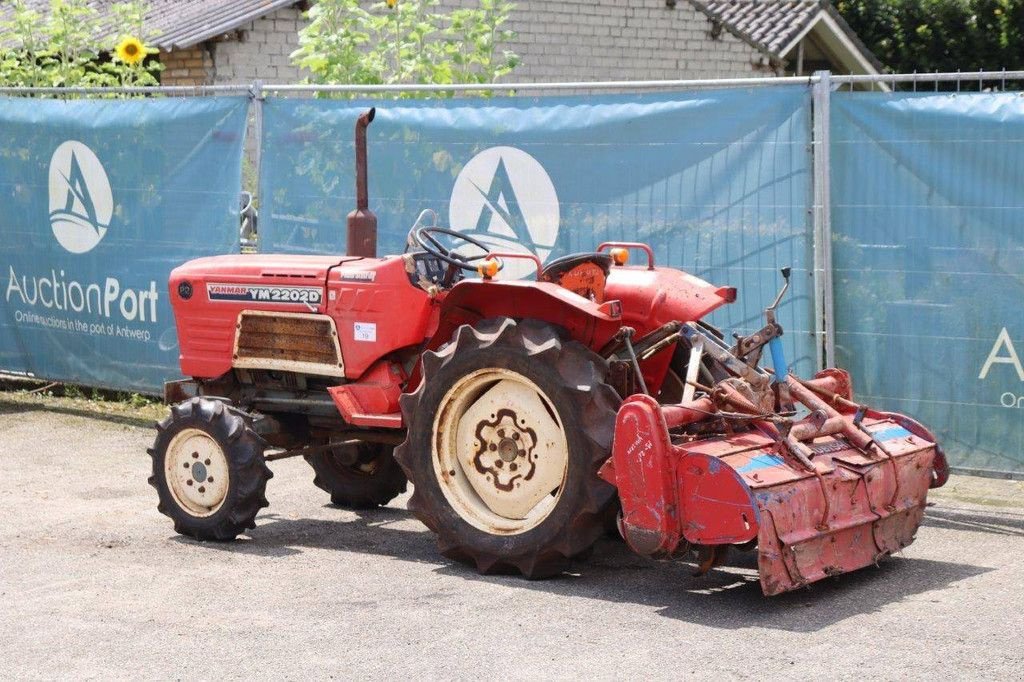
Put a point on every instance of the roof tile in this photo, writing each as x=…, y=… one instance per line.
x=769, y=24
x=180, y=23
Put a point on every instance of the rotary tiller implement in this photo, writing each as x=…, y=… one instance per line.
x=827, y=493
x=526, y=413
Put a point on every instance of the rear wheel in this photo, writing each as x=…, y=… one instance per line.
x=208, y=470
x=358, y=475
x=505, y=436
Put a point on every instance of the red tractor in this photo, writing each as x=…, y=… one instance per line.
x=526, y=413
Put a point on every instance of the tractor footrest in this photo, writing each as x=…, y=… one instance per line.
x=373, y=400
x=381, y=421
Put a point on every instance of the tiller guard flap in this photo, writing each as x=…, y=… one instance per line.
x=852, y=507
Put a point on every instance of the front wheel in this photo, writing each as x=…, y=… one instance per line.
x=208, y=470
x=505, y=436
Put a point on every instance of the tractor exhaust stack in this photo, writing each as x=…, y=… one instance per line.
x=362, y=223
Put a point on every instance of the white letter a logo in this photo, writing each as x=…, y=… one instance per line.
x=1009, y=359
x=81, y=202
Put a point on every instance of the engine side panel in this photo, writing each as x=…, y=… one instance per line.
x=377, y=310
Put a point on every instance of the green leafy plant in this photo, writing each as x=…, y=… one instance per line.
x=405, y=42
x=939, y=35
x=60, y=50
x=139, y=400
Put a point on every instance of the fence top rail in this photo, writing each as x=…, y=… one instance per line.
x=926, y=77
x=133, y=90
x=257, y=88
x=575, y=85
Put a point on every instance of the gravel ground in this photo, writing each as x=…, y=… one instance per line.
x=94, y=584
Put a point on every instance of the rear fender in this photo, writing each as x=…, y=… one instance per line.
x=590, y=323
x=652, y=297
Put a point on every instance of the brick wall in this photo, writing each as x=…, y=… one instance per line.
x=193, y=66
x=577, y=40
x=261, y=50
x=558, y=40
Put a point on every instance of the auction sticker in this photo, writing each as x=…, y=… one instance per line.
x=366, y=331
x=255, y=293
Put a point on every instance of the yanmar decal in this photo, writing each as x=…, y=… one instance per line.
x=255, y=293
x=357, y=275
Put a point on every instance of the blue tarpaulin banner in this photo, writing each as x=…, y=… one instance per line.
x=928, y=228
x=99, y=200
x=716, y=181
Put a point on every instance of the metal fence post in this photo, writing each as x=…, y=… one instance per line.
x=822, y=221
x=256, y=95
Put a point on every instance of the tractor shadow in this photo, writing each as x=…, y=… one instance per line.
x=370, y=532
x=728, y=597
x=975, y=521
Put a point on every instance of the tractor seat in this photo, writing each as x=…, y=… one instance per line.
x=582, y=273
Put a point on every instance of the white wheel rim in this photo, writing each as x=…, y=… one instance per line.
x=196, y=471
x=499, y=450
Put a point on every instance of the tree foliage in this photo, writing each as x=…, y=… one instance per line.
x=943, y=35
x=60, y=49
x=405, y=42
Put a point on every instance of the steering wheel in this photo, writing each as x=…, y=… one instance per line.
x=426, y=239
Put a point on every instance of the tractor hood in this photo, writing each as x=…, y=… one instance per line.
x=208, y=295
x=269, y=266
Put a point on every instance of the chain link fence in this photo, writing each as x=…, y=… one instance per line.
x=894, y=196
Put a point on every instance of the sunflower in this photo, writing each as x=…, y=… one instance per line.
x=131, y=50
x=391, y=3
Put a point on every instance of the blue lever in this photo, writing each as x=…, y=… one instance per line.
x=778, y=359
